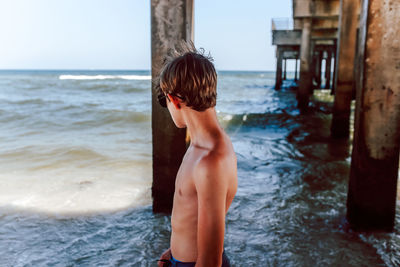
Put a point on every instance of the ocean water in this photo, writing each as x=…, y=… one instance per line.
x=75, y=175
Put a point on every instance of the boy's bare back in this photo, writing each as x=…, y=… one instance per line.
x=204, y=189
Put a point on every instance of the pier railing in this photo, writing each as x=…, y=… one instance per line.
x=282, y=24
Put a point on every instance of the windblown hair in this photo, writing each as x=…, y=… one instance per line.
x=189, y=74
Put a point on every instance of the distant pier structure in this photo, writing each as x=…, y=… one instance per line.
x=359, y=40
x=309, y=38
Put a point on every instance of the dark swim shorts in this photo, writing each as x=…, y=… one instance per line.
x=175, y=263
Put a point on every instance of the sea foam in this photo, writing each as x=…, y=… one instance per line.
x=104, y=77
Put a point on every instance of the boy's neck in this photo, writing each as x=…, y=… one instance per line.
x=203, y=127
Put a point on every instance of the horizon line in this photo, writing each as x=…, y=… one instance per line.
x=68, y=69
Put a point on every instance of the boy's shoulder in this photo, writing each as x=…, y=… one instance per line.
x=219, y=163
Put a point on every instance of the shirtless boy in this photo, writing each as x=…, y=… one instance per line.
x=206, y=182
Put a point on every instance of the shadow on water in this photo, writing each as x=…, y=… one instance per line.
x=291, y=202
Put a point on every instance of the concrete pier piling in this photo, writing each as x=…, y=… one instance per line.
x=346, y=48
x=305, y=86
x=334, y=73
x=371, y=199
x=171, y=22
x=328, y=70
x=278, y=78
x=364, y=44
x=318, y=65
x=284, y=69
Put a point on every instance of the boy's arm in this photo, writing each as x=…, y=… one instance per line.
x=211, y=186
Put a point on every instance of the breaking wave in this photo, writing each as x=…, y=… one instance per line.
x=104, y=77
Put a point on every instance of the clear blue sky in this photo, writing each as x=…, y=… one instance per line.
x=115, y=34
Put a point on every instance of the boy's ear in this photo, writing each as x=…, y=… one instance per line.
x=175, y=101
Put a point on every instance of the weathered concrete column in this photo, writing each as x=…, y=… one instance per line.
x=333, y=85
x=284, y=69
x=171, y=22
x=318, y=66
x=334, y=58
x=371, y=198
x=278, y=78
x=328, y=70
x=303, y=93
x=348, y=23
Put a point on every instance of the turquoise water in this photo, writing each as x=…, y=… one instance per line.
x=75, y=175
